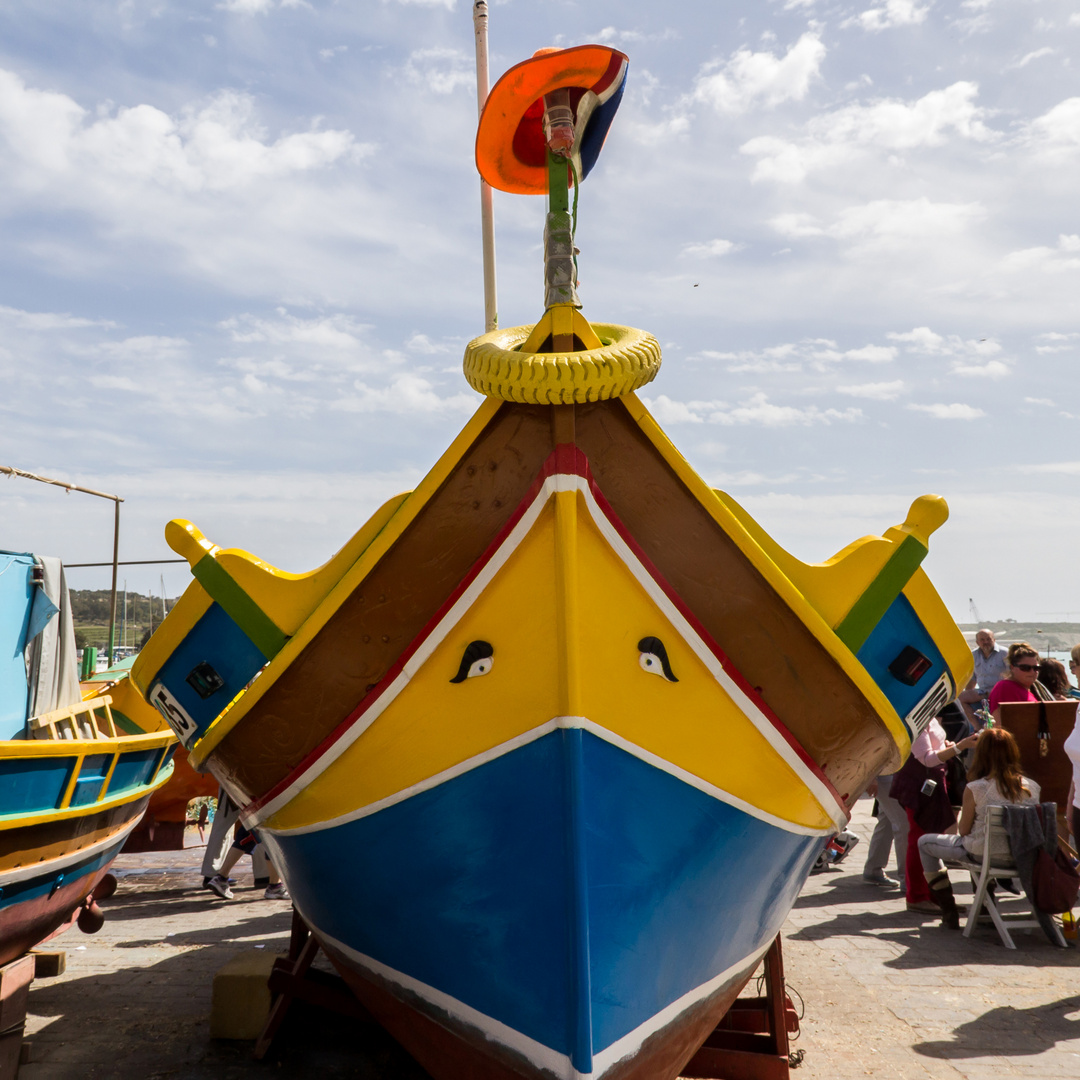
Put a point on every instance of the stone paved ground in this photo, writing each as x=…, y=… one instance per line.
x=886, y=994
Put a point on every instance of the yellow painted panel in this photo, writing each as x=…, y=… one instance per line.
x=434, y=724
x=692, y=723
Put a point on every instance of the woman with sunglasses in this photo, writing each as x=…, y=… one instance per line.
x=1021, y=684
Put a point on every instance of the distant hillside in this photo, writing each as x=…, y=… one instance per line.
x=1044, y=636
x=90, y=609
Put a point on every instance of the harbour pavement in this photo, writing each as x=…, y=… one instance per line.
x=886, y=993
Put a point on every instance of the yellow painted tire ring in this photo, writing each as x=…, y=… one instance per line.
x=494, y=366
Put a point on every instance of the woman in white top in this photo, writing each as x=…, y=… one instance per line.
x=1072, y=748
x=994, y=779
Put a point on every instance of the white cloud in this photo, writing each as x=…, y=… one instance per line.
x=924, y=341
x=442, y=70
x=710, y=249
x=216, y=147
x=894, y=13
x=246, y=7
x=448, y=4
x=992, y=369
x=881, y=391
x=258, y=7
x=340, y=332
x=47, y=320
x=1050, y=260
x=886, y=222
x=406, y=394
x=752, y=78
x=329, y=54
x=757, y=410
x=667, y=411
x=629, y=37
x=956, y=411
x=1057, y=130
x=1055, y=342
x=833, y=138
x=1038, y=54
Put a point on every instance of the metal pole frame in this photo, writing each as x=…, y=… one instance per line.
x=487, y=212
x=11, y=471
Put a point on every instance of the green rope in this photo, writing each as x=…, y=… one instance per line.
x=573, y=216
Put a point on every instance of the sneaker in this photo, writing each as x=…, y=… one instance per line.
x=879, y=877
x=220, y=885
x=276, y=891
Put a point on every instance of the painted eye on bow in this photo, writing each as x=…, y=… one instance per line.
x=477, y=660
x=654, y=658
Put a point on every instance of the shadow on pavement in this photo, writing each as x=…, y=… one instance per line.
x=152, y=1021
x=1010, y=1031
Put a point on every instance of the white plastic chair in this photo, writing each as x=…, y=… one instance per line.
x=982, y=873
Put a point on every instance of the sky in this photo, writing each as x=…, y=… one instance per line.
x=241, y=262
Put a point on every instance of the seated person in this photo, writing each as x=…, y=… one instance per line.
x=994, y=779
x=1021, y=682
x=1052, y=676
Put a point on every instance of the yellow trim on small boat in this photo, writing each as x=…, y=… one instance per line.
x=18, y=820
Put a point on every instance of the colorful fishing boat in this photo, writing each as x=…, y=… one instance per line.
x=547, y=751
x=73, y=784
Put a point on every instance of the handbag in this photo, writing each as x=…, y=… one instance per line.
x=1055, y=884
x=933, y=813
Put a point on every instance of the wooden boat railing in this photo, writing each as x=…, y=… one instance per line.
x=65, y=724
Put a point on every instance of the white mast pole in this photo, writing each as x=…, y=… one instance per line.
x=487, y=218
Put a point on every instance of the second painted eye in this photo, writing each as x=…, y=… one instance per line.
x=477, y=660
x=653, y=658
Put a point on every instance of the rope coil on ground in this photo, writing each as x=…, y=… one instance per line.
x=628, y=360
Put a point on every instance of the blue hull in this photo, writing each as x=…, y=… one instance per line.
x=566, y=899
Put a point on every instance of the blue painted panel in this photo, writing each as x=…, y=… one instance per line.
x=132, y=770
x=217, y=640
x=462, y=887
x=16, y=594
x=29, y=785
x=91, y=777
x=681, y=886
x=900, y=626
x=469, y=888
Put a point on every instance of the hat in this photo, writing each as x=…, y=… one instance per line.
x=511, y=153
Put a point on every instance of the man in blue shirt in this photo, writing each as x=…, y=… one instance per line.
x=990, y=666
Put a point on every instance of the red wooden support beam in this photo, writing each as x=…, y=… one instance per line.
x=751, y=1042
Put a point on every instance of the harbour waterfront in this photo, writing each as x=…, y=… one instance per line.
x=885, y=994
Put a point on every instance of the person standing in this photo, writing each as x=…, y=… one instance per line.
x=891, y=831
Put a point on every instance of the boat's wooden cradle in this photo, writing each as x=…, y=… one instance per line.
x=750, y=1042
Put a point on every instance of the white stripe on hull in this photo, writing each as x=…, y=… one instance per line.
x=536, y=1053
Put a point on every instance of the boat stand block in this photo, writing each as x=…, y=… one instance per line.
x=15, y=980
x=48, y=963
x=241, y=997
